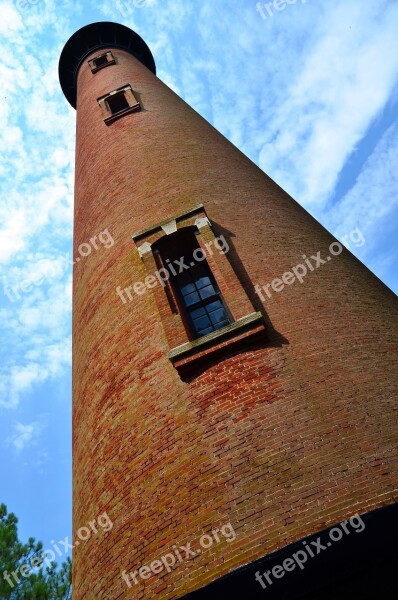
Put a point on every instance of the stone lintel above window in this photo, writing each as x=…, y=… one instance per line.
x=171, y=225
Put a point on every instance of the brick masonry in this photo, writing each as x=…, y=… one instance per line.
x=281, y=438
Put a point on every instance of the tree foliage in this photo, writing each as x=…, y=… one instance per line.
x=43, y=582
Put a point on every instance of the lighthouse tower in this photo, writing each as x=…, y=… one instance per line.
x=234, y=385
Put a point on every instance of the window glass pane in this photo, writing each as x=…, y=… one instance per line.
x=198, y=312
x=214, y=306
x=191, y=298
x=187, y=288
x=218, y=316
x=207, y=291
x=202, y=282
x=202, y=323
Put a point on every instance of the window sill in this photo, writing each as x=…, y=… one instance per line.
x=187, y=357
x=118, y=115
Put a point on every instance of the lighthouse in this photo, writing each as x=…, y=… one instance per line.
x=234, y=376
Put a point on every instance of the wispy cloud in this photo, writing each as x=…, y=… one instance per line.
x=37, y=131
x=336, y=90
x=297, y=93
x=24, y=435
x=372, y=204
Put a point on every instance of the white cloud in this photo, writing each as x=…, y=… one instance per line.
x=297, y=93
x=372, y=203
x=24, y=435
x=36, y=212
x=11, y=21
x=338, y=88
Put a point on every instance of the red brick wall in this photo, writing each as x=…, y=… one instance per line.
x=281, y=439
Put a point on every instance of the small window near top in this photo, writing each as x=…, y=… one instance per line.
x=101, y=61
x=118, y=103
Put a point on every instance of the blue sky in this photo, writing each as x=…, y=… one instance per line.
x=309, y=93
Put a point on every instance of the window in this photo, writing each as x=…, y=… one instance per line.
x=118, y=103
x=101, y=61
x=202, y=300
x=196, y=290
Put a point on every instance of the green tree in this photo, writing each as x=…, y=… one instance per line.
x=41, y=583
